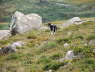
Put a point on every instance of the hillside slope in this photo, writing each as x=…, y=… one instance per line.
x=42, y=51
x=49, y=11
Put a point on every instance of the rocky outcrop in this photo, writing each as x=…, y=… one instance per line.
x=21, y=23
x=74, y=20
x=11, y=48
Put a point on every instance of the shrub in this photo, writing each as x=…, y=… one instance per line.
x=49, y=45
x=88, y=64
x=60, y=40
x=14, y=56
x=56, y=56
x=78, y=36
x=44, y=60
x=90, y=37
x=86, y=51
x=53, y=65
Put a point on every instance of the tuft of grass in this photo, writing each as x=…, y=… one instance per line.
x=49, y=45
x=56, y=56
x=91, y=37
x=14, y=56
x=53, y=66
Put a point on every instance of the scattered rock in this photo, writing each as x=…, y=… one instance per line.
x=74, y=20
x=85, y=44
x=69, y=56
x=49, y=71
x=18, y=44
x=61, y=4
x=91, y=42
x=4, y=34
x=66, y=45
x=93, y=50
x=11, y=48
x=8, y=49
x=21, y=23
x=69, y=33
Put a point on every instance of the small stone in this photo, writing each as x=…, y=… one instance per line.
x=91, y=42
x=74, y=20
x=93, y=50
x=17, y=44
x=66, y=45
x=69, y=55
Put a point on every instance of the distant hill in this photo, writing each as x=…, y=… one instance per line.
x=49, y=11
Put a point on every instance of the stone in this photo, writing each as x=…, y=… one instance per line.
x=66, y=45
x=11, y=48
x=85, y=44
x=91, y=42
x=21, y=23
x=94, y=50
x=8, y=49
x=4, y=34
x=69, y=55
x=18, y=44
x=74, y=20
x=49, y=70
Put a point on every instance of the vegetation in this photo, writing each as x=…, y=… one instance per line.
x=42, y=51
x=49, y=11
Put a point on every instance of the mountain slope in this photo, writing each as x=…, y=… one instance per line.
x=49, y=11
x=42, y=51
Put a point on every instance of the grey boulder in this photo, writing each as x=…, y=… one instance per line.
x=21, y=23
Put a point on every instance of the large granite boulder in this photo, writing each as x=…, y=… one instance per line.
x=74, y=20
x=22, y=23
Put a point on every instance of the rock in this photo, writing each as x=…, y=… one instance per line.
x=69, y=56
x=69, y=33
x=74, y=20
x=85, y=44
x=21, y=23
x=93, y=50
x=4, y=34
x=91, y=42
x=49, y=71
x=62, y=4
x=18, y=44
x=11, y=48
x=8, y=49
x=66, y=45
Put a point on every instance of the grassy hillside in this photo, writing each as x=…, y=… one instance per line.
x=42, y=51
x=49, y=11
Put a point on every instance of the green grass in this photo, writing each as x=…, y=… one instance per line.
x=49, y=12
x=4, y=26
x=41, y=52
